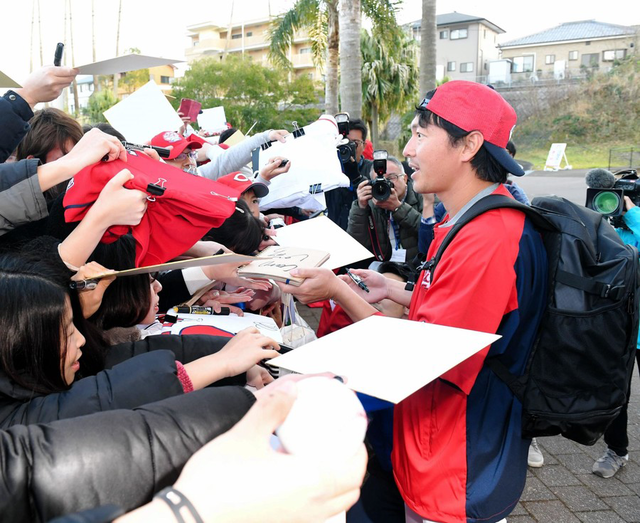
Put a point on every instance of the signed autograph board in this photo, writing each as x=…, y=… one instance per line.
x=282, y=260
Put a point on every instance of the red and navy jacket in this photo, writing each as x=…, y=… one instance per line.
x=458, y=455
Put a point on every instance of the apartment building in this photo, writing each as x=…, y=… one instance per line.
x=251, y=40
x=569, y=49
x=465, y=44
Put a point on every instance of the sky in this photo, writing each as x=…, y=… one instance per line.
x=159, y=27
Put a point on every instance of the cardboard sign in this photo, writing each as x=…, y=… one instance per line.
x=281, y=261
x=213, y=120
x=142, y=115
x=323, y=234
x=387, y=358
x=124, y=64
x=5, y=81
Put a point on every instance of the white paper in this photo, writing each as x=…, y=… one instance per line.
x=5, y=81
x=388, y=358
x=213, y=120
x=322, y=234
x=231, y=324
x=142, y=115
x=124, y=64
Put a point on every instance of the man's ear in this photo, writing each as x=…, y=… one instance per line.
x=471, y=145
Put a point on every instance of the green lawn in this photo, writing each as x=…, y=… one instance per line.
x=580, y=157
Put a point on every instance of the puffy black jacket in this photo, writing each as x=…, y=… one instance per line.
x=121, y=457
x=145, y=379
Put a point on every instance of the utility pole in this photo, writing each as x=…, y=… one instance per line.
x=73, y=64
x=96, y=78
x=115, y=76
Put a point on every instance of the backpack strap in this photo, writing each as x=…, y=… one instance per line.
x=488, y=203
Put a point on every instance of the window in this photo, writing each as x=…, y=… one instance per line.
x=451, y=66
x=589, y=60
x=457, y=34
x=444, y=35
x=573, y=55
x=249, y=33
x=587, y=43
x=165, y=79
x=236, y=36
x=485, y=33
x=305, y=50
x=522, y=64
x=549, y=59
x=610, y=56
x=466, y=67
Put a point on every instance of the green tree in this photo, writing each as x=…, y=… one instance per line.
x=99, y=102
x=389, y=79
x=249, y=93
x=320, y=18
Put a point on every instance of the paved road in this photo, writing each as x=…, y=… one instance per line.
x=568, y=184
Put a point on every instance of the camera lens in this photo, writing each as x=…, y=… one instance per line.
x=606, y=202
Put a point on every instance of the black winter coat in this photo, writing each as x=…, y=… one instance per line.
x=127, y=382
x=121, y=457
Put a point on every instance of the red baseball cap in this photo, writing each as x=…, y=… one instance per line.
x=243, y=183
x=476, y=107
x=172, y=138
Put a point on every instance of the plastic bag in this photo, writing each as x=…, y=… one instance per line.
x=296, y=331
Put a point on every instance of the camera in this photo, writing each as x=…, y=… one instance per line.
x=380, y=187
x=609, y=201
x=347, y=150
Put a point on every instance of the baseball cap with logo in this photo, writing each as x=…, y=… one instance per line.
x=243, y=183
x=174, y=139
x=476, y=107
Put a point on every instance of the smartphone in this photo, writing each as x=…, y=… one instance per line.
x=283, y=163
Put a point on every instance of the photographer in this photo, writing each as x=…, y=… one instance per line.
x=389, y=228
x=616, y=456
x=339, y=200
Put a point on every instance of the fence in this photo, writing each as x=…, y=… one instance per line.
x=624, y=157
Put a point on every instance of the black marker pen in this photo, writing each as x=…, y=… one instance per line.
x=198, y=309
x=57, y=59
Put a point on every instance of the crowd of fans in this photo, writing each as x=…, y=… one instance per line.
x=103, y=419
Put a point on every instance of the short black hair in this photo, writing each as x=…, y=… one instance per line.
x=105, y=128
x=224, y=135
x=358, y=125
x=241, y=232
x=486, y=166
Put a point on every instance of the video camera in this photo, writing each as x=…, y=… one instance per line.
x=606, y=193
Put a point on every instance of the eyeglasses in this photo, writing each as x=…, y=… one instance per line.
x=153, y=276
x=393, y=177
x=184, y=156
x=359, y=143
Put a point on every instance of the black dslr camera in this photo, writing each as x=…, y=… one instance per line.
x=380, y=187
x=347, y=151
x=608, y=199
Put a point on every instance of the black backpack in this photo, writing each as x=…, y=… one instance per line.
x=578, y=373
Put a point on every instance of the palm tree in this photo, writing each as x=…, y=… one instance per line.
x=428, y=46
x=389, y=79
x=350, y=58
x=320, y=19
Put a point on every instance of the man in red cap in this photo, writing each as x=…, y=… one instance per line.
x=458, y=452
x=183, y=155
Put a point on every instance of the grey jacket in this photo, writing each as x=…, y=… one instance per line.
x=407, y=217
x=21, y=198
x=234, y=158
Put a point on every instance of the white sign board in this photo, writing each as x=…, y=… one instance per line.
x=124, y=64
x=213, y=120
x=142, y=115
x=387, y=358
x=556, y=155
x=232, y=323
x=322, y=234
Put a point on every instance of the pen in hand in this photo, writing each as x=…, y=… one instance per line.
x=358, y=281
x=57, y=59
